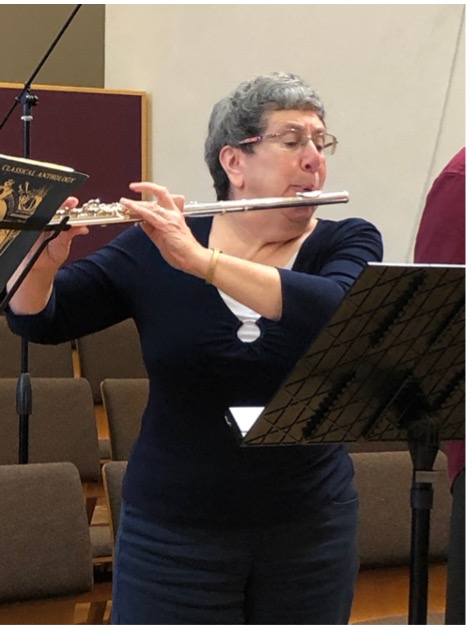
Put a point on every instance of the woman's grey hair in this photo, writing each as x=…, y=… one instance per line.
x=244, y=113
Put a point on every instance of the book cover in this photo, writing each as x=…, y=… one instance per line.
x=31, y=192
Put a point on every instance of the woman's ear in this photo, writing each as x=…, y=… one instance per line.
x=232, y=160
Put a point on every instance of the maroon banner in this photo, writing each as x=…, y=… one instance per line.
x=98, y=132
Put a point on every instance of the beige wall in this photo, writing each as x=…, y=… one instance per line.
x=392, y=78
x=27, y=32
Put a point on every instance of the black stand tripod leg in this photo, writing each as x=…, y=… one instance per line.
x=24, y=409
x=423, y=453
x=421, y=503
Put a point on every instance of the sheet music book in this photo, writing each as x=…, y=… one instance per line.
x=31, y=192
x=389, y=365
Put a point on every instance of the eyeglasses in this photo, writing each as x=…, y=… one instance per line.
x=295, y=139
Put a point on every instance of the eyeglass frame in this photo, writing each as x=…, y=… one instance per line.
x=261, y=137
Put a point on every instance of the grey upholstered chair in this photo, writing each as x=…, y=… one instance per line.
x=384, y=480
x=62, y=424
x=44, y=360
x=113, y=474
x=45, y=548
x=124, y=401
x=114, y=352
x=62, y=427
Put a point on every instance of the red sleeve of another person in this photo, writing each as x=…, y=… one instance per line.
x=441, y=239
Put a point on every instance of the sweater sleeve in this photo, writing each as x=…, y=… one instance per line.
x=441, y=233
x=325, y=270
x=87, y=296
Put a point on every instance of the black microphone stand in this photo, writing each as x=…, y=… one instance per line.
x=24, y=392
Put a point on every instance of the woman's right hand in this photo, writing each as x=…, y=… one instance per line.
x=57, y=250
x=34, y=292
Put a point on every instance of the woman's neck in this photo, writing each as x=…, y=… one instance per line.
x=263, y=236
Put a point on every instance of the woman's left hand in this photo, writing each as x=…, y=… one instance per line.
x=256, y=285
x=165, y=225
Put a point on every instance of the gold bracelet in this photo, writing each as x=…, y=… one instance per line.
x=212, y=266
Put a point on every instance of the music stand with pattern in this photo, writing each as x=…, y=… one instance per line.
x=389, y=366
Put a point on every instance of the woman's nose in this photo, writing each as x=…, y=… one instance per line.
x=311, y=157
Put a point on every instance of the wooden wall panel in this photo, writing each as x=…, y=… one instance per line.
x=100, y=132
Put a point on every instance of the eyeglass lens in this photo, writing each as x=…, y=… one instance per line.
x=297, y=138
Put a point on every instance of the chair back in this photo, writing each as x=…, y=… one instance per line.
x=43, y=360
x=384, y=480
x=62, y=425
x=124, y=401
x=114, y=352
x=45, y=548
x=113, y=475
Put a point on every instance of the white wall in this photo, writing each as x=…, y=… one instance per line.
x=392, y=78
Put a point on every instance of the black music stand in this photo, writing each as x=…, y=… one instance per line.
x=389, y=366
x=9, y=265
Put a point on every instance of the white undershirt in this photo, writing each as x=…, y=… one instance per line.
x=249, y=330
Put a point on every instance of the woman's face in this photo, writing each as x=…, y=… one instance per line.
x=279, y=169
x=276, y=168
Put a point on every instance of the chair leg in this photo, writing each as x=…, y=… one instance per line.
x=96, y=613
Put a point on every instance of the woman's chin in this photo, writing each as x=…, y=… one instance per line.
x=300, y=213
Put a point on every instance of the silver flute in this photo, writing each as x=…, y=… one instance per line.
x=98, y=213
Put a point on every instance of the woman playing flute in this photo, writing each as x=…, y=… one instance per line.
x=211, y=533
